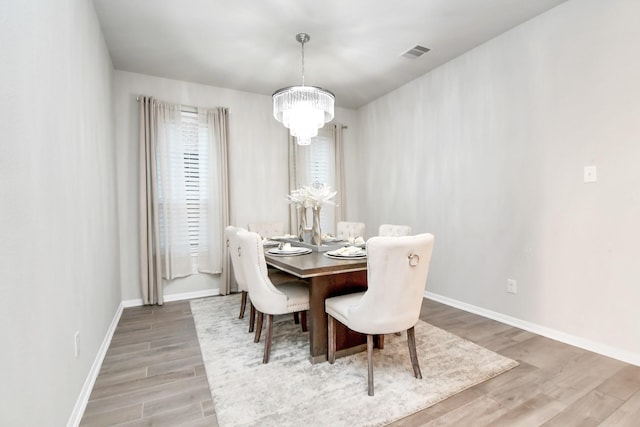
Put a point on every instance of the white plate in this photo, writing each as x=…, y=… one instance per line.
x=289, y=252
x=344, y=253
x=362, y=256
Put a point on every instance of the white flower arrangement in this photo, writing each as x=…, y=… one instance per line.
x=312, y=196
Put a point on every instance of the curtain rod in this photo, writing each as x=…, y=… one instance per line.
x=188, y=106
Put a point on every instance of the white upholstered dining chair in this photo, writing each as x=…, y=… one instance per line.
x=267, y=229
x=230, y=238
x=269, y=300
x=394, y=230
x=397, y=269
x=347, y=229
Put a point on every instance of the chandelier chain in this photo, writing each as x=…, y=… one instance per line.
x=302, y=42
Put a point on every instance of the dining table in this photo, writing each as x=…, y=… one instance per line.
x=327, y=277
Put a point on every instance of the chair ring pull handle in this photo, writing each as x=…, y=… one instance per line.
x=227, y=242
x=239, y=252
x=414, y=259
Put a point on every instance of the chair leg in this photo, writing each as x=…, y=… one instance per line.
x=258, y=327
x=370, y=363
x=331, y=339
x=296, y=318
x=411, y=341
x=267, y=339
x=252, y=316
x=381, y=341
x=243, y=304
x=303, y=320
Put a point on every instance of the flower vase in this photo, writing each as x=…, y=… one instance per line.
x=316, y=234
x=302, y=221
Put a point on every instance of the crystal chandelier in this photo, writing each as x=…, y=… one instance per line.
x=303, y=109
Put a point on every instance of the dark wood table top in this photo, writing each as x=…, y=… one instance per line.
x=315, y=264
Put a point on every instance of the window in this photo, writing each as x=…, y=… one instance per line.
x=315, y=163
x=188, y=191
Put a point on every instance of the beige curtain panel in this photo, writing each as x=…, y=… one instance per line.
x=219, y=128
x=341, y=197
x=150, y=261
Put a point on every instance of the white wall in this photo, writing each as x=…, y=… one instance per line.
x=257, y=162
x=58, y=215
x=487, y=152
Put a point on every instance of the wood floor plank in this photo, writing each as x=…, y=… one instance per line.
x=170, y=403
x=623, y=384
x=439, y=409
x=106, y=380
x=142, y=383
x=194, y=362
x=478, y=412
x=534, y=412
x=113, y=402
x=627, y=414
x=148, y=357
x=115, y=417
x=178, y=417
x=590, y=410
x=129, y=348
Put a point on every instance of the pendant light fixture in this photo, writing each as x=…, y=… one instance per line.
x=303, y=109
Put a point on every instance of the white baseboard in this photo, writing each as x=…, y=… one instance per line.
x=176, y=297
x=603, y=349
x=83, y=398
x=85, y=392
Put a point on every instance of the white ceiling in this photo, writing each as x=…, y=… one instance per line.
x=355, y=48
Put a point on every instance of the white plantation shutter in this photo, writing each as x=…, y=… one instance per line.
x=193, y=156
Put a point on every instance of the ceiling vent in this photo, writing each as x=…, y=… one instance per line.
x=416, y=52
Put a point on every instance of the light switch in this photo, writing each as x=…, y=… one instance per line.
x=590, y=174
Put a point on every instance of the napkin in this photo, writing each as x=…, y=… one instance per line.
x=348, y=251
x=356, y=241
x=286, y=236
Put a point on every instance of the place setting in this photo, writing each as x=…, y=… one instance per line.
x=268, y=243
x=285, y=249
x=356, y=241
x=330, y=238
x=347, y=252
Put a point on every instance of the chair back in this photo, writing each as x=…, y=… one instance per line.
x=267, y=229
x=265, y=297
x=397, y=269
x=230, y=236
x=394, y=230
x=346, y=229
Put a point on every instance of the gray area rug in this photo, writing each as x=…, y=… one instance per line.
x=290, y=391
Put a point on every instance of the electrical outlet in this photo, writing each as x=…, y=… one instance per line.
x=590, y=174
x=512, y=286
x=76, y=343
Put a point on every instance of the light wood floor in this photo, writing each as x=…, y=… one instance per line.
x=153, y=375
